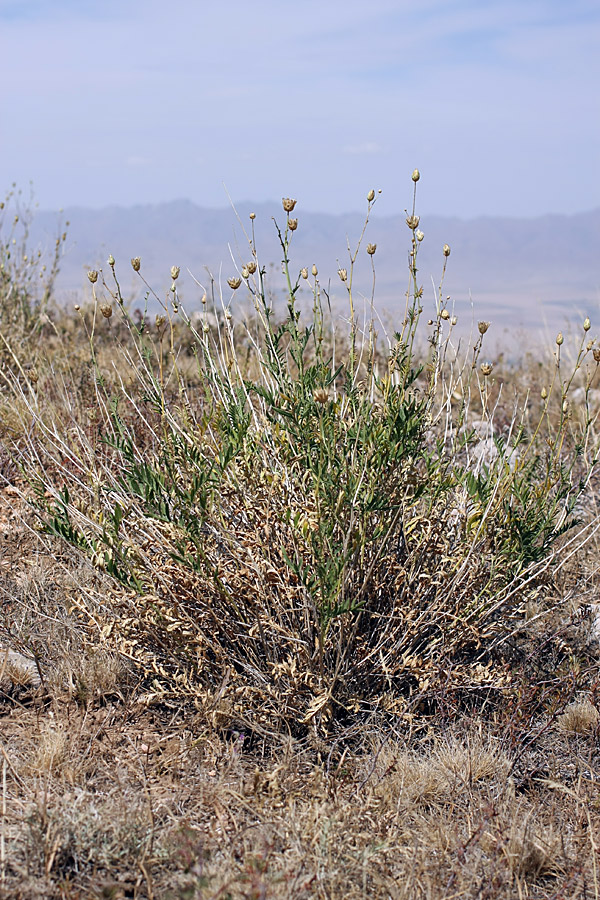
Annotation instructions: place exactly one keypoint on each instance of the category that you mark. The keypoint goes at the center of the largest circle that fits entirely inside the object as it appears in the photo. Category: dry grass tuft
(580, 717)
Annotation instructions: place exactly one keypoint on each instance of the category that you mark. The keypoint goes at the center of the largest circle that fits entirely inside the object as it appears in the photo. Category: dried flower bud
(559, 338)
(288, 204)
(589, 345)
(486, 369)
(136, 263)
(419, 236)
(454, 320)
(203, 301)
(304, 273)
(430, 321)
(544, 394)
(160, 321)
(93, 276)
(234, 282)
(413, 222)
(175, 270)
(173, 287)
(445, 314)
(371, 248)
(371, 196)
(251, 266)
(106, 310)
(343, 273)
(416, 175)
(206, 328)
(565, 406)
(292, 224)
(34, 377)
(77, 307)
(111, 261)
(253, 216)
(587, 324)
(482, 327)
(446, 250)
(596, 352)
(321, 395)
(228, 314)
(315, 271)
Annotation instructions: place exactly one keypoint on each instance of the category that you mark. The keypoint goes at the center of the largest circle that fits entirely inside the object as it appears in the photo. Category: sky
(144, 101)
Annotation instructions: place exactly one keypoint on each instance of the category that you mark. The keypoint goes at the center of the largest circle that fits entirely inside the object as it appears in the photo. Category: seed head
(77, 307)
(482, 327)
(106, 310)
(413, 222)
(371, 196)
(234, 282)
(292, 224)
(343, 273)
(371, 248)
(203, 301)
(33, 376)
(446, 250)
(416, 175)
(596, 352)
(93, 276)
(315, 271)
(288, 204)
(111, 261)
(304, 273)
(565, 406)
(544, 394)
(559, 338)
(253, 216)
(321, 395)
(419, 236)
(445, 314)
(136, 263)
(160, 321)
(173, 287)
(175, 270)
(228, 314)
(454, 320)
(486, 369)
(587, 324)
(251, 267)
(206, 328)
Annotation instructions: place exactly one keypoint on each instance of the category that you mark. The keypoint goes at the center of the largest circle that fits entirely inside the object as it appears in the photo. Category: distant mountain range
(519, 273)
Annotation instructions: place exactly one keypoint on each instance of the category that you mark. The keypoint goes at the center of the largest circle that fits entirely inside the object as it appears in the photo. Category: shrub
(304, 526)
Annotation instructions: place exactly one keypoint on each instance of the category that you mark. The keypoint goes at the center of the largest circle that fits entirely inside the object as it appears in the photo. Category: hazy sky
(137, 101)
